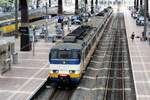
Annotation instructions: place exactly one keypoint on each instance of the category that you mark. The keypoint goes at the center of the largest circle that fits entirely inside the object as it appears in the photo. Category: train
(8, 25)
(7, 21)
(68, 59)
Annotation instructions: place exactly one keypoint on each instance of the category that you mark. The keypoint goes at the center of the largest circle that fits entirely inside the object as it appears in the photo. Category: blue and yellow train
(7, 22)
(68, 59)
(7, 26)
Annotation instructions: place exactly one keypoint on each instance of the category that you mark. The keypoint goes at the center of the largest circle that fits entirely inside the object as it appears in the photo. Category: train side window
(86, 51)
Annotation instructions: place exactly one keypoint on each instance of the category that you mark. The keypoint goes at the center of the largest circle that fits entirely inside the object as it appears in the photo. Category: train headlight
(55, 71)
(72, 71)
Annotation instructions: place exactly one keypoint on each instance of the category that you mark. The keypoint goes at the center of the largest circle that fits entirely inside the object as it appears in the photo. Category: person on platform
(132, 36)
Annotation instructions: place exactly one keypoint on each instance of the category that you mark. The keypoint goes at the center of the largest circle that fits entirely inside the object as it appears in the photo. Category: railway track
(108, 75)
(115, 87)
(62, 93)
(54, 91)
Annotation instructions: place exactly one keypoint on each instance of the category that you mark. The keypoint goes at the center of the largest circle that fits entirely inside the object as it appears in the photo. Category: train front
(65, 64)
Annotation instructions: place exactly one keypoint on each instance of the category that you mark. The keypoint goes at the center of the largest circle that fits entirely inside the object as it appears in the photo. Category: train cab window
(75, 55)
(53, 54)
(64, 54)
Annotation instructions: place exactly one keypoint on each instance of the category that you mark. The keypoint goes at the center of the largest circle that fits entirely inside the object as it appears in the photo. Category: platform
(140, 58)
(26, 77)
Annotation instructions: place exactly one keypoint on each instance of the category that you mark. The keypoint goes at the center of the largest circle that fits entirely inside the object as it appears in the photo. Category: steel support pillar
(76, 7)
(50, 3)
(134, 4)
(96, 2)
(141, 2)
(37, 3)
(16, 18)
(145, 19)
(147, 7)
(60, 7)
(24, 30)
(92, 7)
(86, 2)
(137, 5)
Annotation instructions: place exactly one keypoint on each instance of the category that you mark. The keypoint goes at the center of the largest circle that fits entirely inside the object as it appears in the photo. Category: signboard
(23, 30)
(25, 39)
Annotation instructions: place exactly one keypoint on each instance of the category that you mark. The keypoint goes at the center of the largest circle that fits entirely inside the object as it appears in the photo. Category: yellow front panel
(55, 75)
(74, 75)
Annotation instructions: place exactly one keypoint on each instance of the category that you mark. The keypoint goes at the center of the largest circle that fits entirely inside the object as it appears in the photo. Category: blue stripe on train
(7, 23)
(72, 61)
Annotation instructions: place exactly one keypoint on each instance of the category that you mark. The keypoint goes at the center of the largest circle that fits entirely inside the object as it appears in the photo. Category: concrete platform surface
(25, 78)
(140, 58)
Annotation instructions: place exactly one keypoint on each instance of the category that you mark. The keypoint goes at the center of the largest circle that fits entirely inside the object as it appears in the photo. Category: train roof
(67, 46)
(80, 31)
(79, 34)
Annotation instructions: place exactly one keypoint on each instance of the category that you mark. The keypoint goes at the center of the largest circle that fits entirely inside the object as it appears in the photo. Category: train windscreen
(65, 54)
